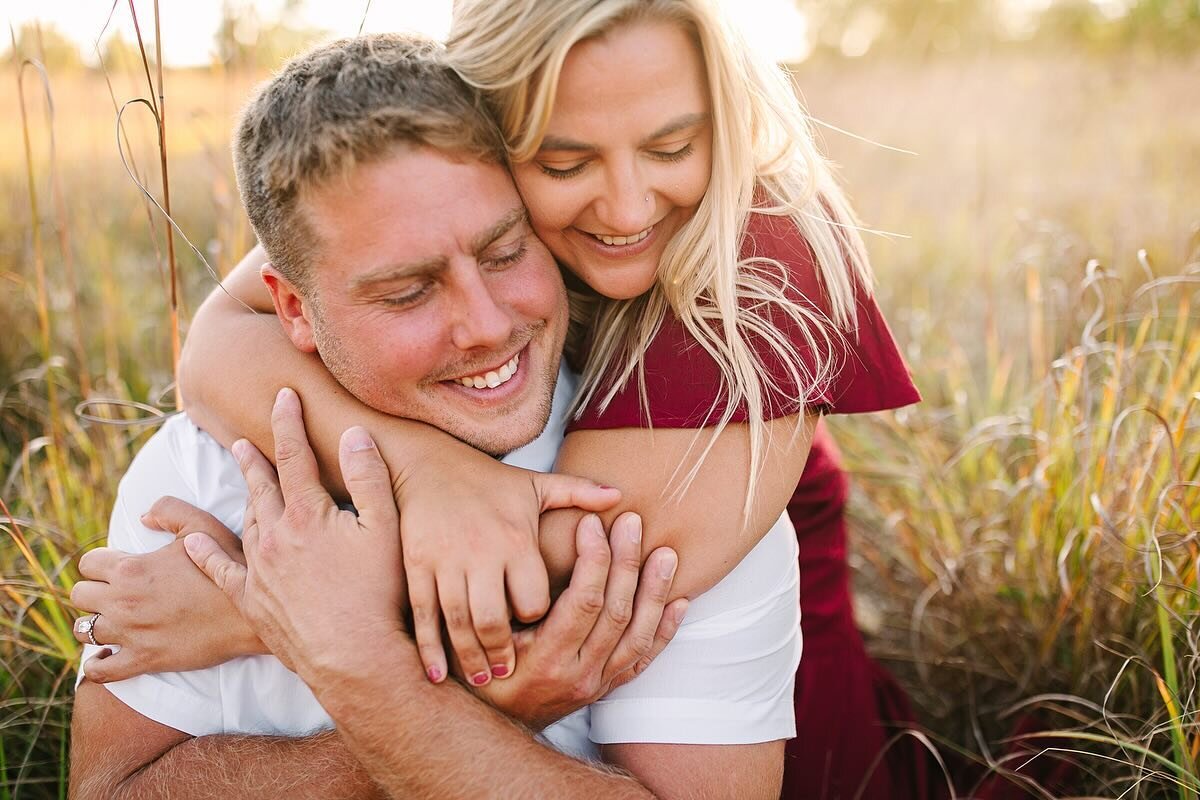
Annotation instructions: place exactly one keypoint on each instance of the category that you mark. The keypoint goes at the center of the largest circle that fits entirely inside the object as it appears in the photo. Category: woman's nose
(627, 205)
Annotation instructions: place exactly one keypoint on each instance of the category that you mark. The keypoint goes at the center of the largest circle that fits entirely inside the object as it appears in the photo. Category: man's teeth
(492, 379)
(619, 240)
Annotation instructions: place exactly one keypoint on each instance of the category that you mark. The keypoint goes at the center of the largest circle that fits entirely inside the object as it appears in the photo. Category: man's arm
(118, 753)
(746, 771)
(449, 744)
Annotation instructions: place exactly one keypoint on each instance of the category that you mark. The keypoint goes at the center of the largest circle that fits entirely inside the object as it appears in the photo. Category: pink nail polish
(480, 678)
(499, 670)
(435, 674)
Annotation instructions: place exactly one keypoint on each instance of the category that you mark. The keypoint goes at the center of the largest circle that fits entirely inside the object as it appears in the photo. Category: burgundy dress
(842, 697)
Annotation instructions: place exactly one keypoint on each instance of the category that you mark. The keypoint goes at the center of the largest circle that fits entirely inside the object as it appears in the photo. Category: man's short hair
(345, 103)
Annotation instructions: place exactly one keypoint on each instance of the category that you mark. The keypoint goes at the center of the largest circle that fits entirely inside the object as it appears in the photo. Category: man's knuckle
(620, 611)
(630, 563)
(586, 688)
(260, 492)
(298, 514)
(286, 448)
(591, 601)
(643, 643)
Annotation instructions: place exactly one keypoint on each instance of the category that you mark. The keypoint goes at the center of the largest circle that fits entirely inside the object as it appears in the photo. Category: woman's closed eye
(561, 173)
(677, 154)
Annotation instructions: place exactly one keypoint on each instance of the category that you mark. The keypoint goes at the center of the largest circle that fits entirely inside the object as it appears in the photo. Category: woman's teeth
(492, 379)
(620, 240)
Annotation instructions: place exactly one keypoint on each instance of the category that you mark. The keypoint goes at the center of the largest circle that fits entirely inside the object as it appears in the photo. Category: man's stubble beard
(354, 377)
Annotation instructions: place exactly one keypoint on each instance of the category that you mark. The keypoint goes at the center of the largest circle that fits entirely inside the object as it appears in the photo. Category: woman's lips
(619, 251)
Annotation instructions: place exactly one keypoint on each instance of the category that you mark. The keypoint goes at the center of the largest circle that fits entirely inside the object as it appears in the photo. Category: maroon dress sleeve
(683, 382)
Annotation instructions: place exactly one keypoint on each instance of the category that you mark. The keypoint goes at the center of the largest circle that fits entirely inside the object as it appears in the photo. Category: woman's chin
(611, 283)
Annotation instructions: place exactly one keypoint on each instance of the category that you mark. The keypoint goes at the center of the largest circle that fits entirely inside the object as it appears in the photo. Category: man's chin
(511, 433)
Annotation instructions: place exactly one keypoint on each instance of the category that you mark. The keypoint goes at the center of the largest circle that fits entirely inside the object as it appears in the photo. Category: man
(498, 295)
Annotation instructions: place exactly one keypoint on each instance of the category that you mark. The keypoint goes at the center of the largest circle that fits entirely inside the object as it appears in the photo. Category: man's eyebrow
(505, 224)
(552, 142)
(430, 266)
(397, 272)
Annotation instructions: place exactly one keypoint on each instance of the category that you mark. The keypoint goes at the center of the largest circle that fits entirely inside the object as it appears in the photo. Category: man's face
(433, 299)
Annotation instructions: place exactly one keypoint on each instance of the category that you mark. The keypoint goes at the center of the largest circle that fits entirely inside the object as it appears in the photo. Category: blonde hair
(765, 161)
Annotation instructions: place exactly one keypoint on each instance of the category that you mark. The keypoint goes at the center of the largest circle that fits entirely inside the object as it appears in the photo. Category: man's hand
(162, 612)
(598, 635)
(317, 580)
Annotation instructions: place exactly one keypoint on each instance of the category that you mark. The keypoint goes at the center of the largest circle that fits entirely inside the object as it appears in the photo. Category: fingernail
(357, 440)
(595, 526)
(191, 542)
(635, 529)
(500, 671)
(680, 610)
(608, 488)
(435, 675)
(285, 394)
(240, 449)
(667, 567)
(480, 678)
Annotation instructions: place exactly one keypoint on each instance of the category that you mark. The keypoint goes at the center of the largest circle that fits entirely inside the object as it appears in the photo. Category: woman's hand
(598, 635)
(158, 609)
(469, 534)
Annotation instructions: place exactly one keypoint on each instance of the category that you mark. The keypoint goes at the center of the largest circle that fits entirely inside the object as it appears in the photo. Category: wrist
(345, 683)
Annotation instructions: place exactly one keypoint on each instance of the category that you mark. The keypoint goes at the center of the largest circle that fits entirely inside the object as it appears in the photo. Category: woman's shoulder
(776, 237)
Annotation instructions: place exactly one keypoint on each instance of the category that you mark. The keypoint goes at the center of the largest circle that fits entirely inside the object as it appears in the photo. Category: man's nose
(627, 204)
(479, 321)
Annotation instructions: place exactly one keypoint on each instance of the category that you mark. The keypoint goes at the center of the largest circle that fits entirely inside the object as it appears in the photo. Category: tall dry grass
(1026, 535)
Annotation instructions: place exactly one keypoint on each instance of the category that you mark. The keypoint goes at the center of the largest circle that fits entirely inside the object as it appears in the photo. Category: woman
(717, 265)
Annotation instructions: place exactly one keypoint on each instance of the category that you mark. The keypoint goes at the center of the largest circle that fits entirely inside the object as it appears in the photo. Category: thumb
(368, 482)
(567, 491)
(172, 515)
(227, 574)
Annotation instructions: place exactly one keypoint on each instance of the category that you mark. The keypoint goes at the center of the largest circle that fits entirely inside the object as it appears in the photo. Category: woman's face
(626, 158)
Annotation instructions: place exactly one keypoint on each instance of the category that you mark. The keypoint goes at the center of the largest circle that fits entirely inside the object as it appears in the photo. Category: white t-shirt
(726, 678)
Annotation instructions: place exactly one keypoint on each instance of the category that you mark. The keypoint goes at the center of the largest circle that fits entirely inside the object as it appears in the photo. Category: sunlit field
(1025, 538)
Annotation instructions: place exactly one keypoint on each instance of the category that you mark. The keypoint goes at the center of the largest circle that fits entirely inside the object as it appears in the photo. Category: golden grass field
(1025, 538)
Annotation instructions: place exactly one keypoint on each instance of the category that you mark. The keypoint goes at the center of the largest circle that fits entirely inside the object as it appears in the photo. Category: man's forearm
(250, 767)
(424, 741)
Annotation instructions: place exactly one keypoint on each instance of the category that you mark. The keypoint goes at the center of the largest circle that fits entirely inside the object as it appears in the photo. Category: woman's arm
(706, 524)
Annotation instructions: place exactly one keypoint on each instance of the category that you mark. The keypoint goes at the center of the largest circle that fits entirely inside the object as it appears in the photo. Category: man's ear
(294, 311)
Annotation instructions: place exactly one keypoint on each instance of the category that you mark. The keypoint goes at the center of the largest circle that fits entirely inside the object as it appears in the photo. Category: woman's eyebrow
(682, 122)
(676, 125)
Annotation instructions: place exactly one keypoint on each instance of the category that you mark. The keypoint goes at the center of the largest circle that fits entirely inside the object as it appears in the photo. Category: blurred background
(1025, 539)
